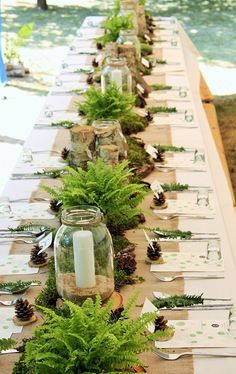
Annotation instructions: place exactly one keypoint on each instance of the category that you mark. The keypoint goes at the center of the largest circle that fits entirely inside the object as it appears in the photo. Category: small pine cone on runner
(154, 252)
(23, 310)
(37, 259)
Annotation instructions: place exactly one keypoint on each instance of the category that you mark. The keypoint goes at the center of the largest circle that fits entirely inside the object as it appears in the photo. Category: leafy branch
(171, 234)
(160, 61)
(66, 124)
(169, 187)
(168, 148)
(54, 173)
(6, 344)
(162, 109)
(15, 287)
(178, 301)
(161, 87)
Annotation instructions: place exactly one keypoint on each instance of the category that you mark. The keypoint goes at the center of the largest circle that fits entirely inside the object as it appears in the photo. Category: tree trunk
(42, 4)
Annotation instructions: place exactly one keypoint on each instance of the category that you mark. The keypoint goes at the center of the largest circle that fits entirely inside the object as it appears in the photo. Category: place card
(7, 327)
(165, 119)
(16, 264)
(21, 211)
(187, 262)
(182, 161)
(39, 162)
(183, 206)
(159, 68)
(57, 117)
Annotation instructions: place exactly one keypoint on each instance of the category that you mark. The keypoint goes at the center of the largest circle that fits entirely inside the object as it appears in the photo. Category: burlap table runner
(155, 364)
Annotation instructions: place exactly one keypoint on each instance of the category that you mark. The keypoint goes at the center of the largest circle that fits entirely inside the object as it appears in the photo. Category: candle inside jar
(116, 78)
(84, 262)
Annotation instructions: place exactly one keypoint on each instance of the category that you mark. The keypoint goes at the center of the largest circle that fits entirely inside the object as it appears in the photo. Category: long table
(47, 138)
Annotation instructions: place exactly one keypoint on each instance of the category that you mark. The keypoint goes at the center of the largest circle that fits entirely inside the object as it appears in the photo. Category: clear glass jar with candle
(109, 131)
(83, 254)
(129, 7)
(128, 37)
(116, 72)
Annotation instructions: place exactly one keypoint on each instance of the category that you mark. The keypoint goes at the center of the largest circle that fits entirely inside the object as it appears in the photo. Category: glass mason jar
(128, 37)
(116, 72)
(129, 7)
(83, 254)
(108, 131)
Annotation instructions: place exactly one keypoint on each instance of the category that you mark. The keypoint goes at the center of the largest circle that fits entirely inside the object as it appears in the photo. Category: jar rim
(98, 122)
(127, 32)
(81, 215)
(116, 61)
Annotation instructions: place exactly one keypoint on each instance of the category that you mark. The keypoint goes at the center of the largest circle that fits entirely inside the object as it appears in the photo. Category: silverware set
(175, 356)
(169, 217)
(183, 276)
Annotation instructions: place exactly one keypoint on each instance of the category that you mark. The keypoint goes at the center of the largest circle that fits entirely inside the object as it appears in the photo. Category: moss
(146, 49)
(120, 243)
(122, 279)
(49, 295)
(131, 123)
(137, 156)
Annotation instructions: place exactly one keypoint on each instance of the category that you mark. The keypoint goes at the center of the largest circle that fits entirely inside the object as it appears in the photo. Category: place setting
(206, 262)
(188, 161)
(199, 207)
(19, 210)
(203, 333)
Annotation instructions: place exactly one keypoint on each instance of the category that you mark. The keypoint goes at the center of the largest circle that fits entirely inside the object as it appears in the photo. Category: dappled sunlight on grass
(210, 24)
(51, 28)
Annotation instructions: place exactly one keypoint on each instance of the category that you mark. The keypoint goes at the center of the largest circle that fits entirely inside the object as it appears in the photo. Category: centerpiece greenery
(113, 25)
(106, 187)
(87, 339)
(112, 104)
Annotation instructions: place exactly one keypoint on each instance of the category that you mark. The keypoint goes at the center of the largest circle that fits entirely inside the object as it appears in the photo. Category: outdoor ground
(54, 31)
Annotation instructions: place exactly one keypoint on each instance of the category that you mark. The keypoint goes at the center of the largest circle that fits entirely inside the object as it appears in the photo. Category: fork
(32, 241)
(193, 276)
(28, 198)
(10, 302)
(175, 356)
(173, 216)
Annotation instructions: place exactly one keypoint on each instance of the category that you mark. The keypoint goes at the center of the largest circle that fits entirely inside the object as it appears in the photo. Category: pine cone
(95, 63)
(126, 262)
(38, 259)
(140, 101)
(160, 200)
(155, 252)
(99, 46)
(23, 310)
(160, 156)
(55, 205)
(116, 314)
(149, 116)
(90, 79)
(160, 323)
(65, 153)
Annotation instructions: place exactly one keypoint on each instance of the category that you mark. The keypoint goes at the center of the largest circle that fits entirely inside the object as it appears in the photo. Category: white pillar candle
(84, 263)
(116, 77)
